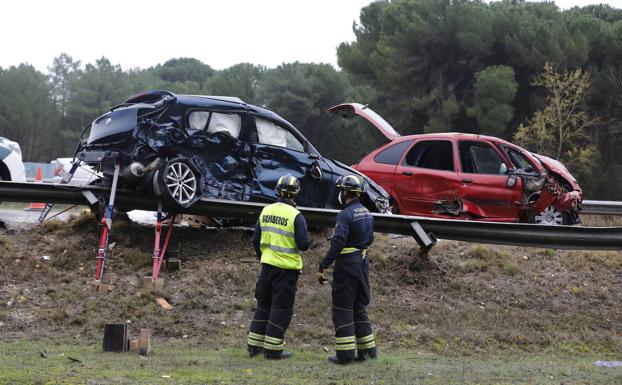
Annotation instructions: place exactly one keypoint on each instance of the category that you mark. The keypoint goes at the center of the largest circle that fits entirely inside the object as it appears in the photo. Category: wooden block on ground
(164, 304)
(159, 283)
(101, 287)
(115, 338)
(134, 345)
(149, 284)
(144, 341)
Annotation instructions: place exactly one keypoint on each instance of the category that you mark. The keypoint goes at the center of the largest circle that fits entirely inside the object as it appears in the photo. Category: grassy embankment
(469, 314)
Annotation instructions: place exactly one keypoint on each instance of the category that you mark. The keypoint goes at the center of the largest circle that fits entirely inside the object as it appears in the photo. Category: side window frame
(507, 151)
(244, 128)
(408, 145)
(481, 143)
(403, 163)
(254, 137)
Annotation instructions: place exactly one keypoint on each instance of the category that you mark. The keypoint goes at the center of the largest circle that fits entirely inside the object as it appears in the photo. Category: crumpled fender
(557, 167)
(553, 195)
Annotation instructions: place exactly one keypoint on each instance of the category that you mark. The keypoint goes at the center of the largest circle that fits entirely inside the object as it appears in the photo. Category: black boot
(254, 350)
(340, 361)
(365, 354)
(276, 354)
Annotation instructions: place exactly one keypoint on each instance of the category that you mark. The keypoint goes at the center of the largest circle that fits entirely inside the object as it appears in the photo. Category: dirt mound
(459, 298)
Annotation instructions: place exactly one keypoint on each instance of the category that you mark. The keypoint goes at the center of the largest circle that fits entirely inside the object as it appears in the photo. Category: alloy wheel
(550, 216)
(181, 182)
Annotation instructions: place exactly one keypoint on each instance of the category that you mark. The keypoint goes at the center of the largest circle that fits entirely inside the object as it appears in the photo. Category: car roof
(227, 102)
(459, 135)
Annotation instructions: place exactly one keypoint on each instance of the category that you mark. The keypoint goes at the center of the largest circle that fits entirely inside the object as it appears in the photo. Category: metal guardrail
(602, 207)
(519, 234)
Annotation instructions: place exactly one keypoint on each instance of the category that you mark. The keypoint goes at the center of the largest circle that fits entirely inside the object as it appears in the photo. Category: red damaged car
(467, 176)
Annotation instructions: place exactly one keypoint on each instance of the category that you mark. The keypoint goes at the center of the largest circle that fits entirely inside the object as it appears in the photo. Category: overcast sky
(143, 33)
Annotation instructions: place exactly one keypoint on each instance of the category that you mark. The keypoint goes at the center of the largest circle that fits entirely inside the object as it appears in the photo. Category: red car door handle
(467, 181)
(407, 173)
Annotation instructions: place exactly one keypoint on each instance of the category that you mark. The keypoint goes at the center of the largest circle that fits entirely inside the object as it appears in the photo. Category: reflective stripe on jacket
(278, 243)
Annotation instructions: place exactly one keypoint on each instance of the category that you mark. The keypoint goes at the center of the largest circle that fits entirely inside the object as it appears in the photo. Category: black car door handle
(407, 173)
(467, 181)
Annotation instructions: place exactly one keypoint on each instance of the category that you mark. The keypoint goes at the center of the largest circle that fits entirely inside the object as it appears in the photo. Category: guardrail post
(425, 240)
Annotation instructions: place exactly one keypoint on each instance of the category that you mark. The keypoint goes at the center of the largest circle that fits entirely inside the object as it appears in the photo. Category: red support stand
(158, 254)
(106, 227)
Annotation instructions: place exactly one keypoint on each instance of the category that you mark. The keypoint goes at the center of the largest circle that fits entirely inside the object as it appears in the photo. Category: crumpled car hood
(558, 167)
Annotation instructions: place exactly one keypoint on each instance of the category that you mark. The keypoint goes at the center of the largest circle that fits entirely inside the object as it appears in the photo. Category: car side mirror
(511, 182)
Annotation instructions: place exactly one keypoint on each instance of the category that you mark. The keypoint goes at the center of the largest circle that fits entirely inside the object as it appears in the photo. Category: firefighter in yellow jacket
(280, 234)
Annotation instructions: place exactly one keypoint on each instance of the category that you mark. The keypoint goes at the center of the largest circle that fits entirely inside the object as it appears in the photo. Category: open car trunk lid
(350, 110)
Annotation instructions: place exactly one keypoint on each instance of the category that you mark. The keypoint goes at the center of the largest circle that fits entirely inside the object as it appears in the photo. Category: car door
(484, 189)
(278, 150)
(380, 165)
(426, 179)
(219, 147)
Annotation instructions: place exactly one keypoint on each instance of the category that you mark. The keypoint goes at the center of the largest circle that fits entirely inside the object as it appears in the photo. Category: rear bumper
(93, 157)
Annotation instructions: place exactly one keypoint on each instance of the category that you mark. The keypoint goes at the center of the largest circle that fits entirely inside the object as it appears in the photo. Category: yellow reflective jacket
(278, 244)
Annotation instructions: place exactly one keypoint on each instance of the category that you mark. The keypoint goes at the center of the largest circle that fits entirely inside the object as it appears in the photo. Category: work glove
(321, 277)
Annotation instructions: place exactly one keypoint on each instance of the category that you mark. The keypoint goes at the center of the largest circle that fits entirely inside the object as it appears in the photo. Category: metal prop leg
(158, 254)
(106, 227)
(66, 178)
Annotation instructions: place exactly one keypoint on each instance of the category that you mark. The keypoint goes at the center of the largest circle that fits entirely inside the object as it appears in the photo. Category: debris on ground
(74, 360)
(164, 304)
(609, 364)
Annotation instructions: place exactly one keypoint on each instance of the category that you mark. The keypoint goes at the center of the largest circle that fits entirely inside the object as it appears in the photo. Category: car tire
(180, 181)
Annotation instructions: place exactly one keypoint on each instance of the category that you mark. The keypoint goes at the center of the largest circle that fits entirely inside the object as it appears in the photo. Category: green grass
(185, 363)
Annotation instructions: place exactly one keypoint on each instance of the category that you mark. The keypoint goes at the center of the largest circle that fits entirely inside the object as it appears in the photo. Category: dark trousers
(275, 292)
(351, 296)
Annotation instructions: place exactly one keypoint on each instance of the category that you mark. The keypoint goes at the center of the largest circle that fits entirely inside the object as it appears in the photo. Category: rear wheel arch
(5, 174)
(395, 209)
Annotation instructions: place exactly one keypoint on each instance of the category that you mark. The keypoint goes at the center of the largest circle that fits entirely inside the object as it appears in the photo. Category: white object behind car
(11, 165)
(82, 177)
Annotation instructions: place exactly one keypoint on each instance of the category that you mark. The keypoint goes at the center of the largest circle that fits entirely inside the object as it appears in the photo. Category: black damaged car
(185, 147)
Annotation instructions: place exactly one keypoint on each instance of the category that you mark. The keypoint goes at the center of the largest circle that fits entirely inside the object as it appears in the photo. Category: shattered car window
(272, 134)
(480, 158)
(214, 122)
(519, 160)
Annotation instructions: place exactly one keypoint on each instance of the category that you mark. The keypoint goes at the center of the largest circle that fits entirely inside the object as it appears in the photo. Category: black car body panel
(237, 151)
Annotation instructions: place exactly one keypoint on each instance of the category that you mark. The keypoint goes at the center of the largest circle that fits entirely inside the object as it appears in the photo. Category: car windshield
(519, 160)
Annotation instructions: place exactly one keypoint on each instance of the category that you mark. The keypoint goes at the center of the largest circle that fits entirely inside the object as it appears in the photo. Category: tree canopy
(424, 65)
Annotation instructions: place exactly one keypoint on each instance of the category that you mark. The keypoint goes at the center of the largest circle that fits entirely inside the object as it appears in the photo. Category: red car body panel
(455, 188)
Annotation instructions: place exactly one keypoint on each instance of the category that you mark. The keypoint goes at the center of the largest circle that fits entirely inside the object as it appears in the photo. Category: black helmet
(287, 186)
(351, 183)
